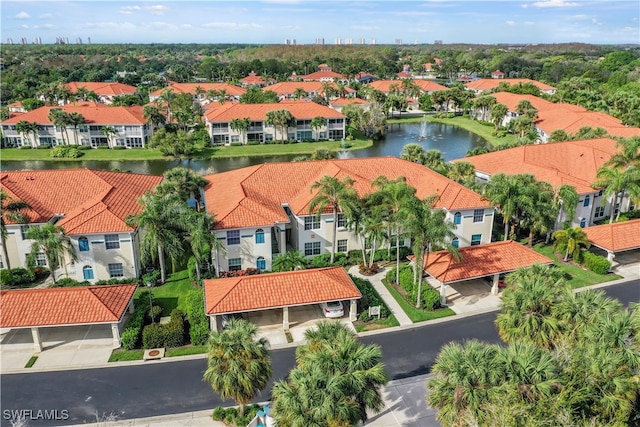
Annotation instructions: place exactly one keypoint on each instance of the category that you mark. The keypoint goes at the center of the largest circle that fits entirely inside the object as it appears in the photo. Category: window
(476, 239)
(116, 270)
(261, 263)
(41, 259)
(1, 263)
(583, 222)
(87, 272)
(235, 264)
(457, 218)
(312, 248)
(134, 142)
(311, 222)
(586, 201)
(233, 237)
(259, 235)
(342, 245)
(83, 244)
(455, 242)
(478, 215)
(615, 212)
(23, 231)
(599, 211)
(111, 241)
(341, 221)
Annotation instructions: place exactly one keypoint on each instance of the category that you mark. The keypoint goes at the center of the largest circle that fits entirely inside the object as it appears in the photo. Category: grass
(31, 361)
(186, 350)
(126, 355)
(415, 314)
(476, 127)
(389, 322)
(580, 277)
(172, 294)
(300, 148)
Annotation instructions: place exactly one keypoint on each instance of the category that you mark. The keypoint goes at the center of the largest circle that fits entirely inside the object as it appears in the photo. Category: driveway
(63, 346)
(469, 296)
(627, 264)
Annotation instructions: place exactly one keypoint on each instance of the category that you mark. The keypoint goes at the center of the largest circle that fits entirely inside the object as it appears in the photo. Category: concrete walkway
(376, 281)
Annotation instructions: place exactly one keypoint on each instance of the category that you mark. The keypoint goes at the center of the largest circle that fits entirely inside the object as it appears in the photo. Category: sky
(274, 21)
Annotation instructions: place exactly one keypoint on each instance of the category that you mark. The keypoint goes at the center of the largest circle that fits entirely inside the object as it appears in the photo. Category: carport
(279, 290)
(615, 238)
(491, 259)
(77, 306)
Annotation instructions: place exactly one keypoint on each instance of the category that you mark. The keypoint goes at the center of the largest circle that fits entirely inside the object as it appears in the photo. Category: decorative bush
(66, 151)
(406, 277)
(240, 273)
(154, 313)
(191, 269)
(320, 261)
(198, 325)
(168, 335)
(369, 270)
(119, 147)
(596, 263)
(236, 144)
(22, 276)
(430, 298)
(68, 282)
(152, 336)
(253, 142)
(125, 281)
(133, 329)
(370, 297)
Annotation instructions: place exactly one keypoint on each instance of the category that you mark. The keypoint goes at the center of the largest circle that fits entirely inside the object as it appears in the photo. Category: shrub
(239, 273)
(219, 414)
(369, 270)
(167, 335)
(68, 282)
(191, 269)
(430, 298)
(119, 147)
(133, 328)
(370, 297)
(21, 276)
(66, 151)
(152, 336)
(102, 147)
(198, 325)
(43, 147)
(236, 144)
(129, 338)
(125, 281)
(253, 143)
(323, 260)
(406, 277)
(596, 263)
(84, 147)
(154, 313)
(6, 278)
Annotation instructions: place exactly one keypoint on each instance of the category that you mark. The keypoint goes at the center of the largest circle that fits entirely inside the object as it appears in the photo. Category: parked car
(501, 281)
(332, 309)
(227, 317)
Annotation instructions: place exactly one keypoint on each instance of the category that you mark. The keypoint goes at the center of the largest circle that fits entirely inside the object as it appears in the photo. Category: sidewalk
(376, 281)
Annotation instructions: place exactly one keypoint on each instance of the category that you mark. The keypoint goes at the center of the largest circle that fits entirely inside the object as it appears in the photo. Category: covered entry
(492, 259)
(279, 291)
(77, 306)
(615, 238)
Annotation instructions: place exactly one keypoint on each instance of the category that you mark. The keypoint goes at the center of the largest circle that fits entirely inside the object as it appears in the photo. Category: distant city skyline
(307, 22)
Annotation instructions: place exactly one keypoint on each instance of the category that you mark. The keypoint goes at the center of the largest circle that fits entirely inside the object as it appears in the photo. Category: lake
(452, 141)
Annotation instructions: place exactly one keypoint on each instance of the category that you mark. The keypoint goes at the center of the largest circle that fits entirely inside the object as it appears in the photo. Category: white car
(332, 309)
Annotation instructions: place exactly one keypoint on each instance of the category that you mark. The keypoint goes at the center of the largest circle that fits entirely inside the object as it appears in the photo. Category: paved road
(176, 387)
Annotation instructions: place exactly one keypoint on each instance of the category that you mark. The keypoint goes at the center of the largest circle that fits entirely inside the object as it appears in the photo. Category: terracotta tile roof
(616, 237)
(318, 75)
(425, 85)
(288, 88)
(273, 290)
(571, 162)
(347, 101)
(103, 88)
(481, 260)
(64, 306)
(94, 113)
(258, 112)
(489, 84)
(91, 201)
(254, 196)
(232, 90)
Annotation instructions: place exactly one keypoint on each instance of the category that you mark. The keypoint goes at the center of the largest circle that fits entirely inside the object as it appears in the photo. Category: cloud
(25, 26)
(45, 27)
(554, 3)
(511, 23)
(231, 26)
(162, 26)
(45, 16)
(157, 9)
(23, 15)
(128, 10)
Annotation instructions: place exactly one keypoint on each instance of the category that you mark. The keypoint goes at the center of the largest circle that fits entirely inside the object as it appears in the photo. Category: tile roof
(288, 88)
(23, 308)
(571, 162)
(347, 101)
(425, 85)
(94, 113)
(616, 237)
(258, 112)
(489, 84)
(91, 201)
(273, 290)
(232, 90)
(481, 260)
(103, 88)
(318, 75)
(253, 196)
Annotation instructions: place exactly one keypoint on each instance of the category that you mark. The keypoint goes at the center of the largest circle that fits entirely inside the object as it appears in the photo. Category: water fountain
(343, 154)
(423, 129)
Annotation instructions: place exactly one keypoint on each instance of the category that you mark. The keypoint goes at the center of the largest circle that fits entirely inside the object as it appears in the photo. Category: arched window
(583, 222)
(261, 263)
(457, 218)
(83, 244)
(259, 235)
(455, 242)
(87, 272)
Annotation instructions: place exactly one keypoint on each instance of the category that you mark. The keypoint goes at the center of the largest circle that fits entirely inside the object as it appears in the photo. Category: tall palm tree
(165, 220)
(333, 194)
(60, 119)
(76, 119)
(511, 194)
(238, 364)
(414, 153)
(614, 181)
(27, 129)
(317, 123)
(242, 126)
(565, 201)
(168, 97)
(50, 240)
(539, 216)
(484, 103)
(463, 173)
(299, 93)
(184, 183)
(108, 132)
(435, 161)
(280, 119)
(572, 240)
(153, 114)
(12, 211)
(497, 113)
(201, 239)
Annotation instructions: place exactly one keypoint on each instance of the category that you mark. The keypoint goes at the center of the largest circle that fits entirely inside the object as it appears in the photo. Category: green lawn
(580, 276)
(476, 127)
(300, 148)
(172, 294)
(186, 350)
(126, 355)
(378, 324)
(416, 315)
(31, 361)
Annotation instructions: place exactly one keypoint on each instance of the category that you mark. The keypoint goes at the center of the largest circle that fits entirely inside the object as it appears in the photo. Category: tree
(414, 153)
(165, 220)
(201, 239)
(433, 160)
(463, 173)
(12, 211)
(565, 201)
(317, 123)
(484, 104)
(512, 195)
(279, 118)
(50, 240)
(242, 126)
(26, 129)
(331, 194)
(76, 119)
(176, 144)
(571, 240)
(299, 93)
(152, 114)
(238, 363)
(60, 119)
(539, 215)
(184, 183)
(289, 261)
(497, 113)
(612, 181)
(108, 132)
(167, 97)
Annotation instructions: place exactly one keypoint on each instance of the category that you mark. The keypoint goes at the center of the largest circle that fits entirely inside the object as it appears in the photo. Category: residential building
(484, 85)
(339, 103)
(91, 207)
(203, 92)
(255, 80)
(262, 211)
(219, 123)
(575, 163)
(497, 74)
(106, 91)
(286, 90)
(131, 128)
(325, 74)
(387, 86)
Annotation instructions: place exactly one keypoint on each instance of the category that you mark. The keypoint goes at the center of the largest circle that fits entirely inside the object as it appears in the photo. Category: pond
(452, 141)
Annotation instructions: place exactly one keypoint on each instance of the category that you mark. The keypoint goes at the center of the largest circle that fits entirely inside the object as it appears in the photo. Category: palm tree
(565, 201)
(332, 194)
(462, 172)
(572, 240)
(153, 114)
(539, 215)
(12, 211)
(289, 261)
(280, 118)
(184, 183)
(202, 240)
(76, 119)
(239, 364)
(434, 161)
(50, 240)
(484, 103)
(317, 123)
(164, 219)
(613, 181)
(524, 108)
(299, 93)
(108, 131)
(497, 113)
(27, 128)
(168, 97)
(241, 125)
(60, 119)
(414, 153)
(511, 194)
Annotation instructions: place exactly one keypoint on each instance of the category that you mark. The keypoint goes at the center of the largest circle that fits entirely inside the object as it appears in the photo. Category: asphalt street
(78, 396)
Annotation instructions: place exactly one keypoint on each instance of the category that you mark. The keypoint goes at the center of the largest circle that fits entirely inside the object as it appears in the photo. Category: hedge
(430, 298)
(133, 329)
(167, 335)
(596, 263)
(370, 297)
(198, 325)
(320, 261)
